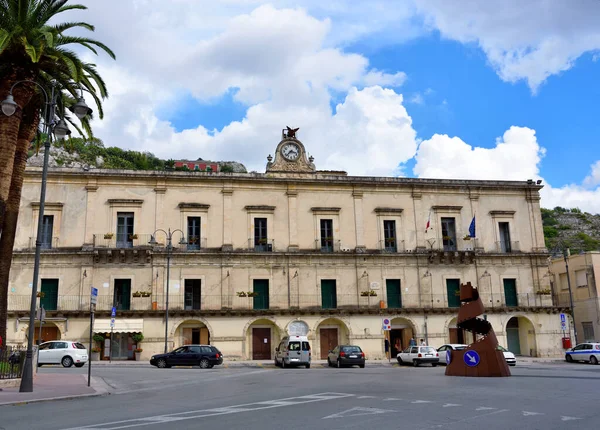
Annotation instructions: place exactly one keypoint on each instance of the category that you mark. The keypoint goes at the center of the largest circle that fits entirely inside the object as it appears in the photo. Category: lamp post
(169, 235)
(566, 257)
(61, 130)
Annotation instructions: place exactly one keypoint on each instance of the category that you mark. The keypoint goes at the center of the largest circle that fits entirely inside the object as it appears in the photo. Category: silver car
(293, 351)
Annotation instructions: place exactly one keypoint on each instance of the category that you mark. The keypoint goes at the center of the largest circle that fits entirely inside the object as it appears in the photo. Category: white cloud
(593, 178)
(417, 99)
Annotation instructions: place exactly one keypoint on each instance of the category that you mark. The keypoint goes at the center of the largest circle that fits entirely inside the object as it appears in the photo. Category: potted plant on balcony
(146, 293)
(241, 294)
(133, 236)
(40, 294)
(544, 292)
(368, 293)
(252, 294)
(108, 236)
(467, 237)
(138, 338)
(137, 294)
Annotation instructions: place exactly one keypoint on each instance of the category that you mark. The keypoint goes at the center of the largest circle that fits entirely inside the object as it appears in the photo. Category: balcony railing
(328, 245)
(193, 243)
(261, 245)
(47, 243)
(391, 246)
(115, 241)
(507, 247)
(283, 301)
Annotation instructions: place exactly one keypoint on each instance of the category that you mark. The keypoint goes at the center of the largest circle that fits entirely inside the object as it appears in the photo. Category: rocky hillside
(571, 228)
(80, 153)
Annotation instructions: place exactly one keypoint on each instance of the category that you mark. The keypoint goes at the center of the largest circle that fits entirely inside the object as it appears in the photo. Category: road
(536, 396)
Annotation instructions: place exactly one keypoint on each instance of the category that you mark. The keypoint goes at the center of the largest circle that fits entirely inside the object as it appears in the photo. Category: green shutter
(394, 297)
(50, 290)
(453, 290)
(122, 298)
(510, 292)
(328, 294)
(261, 287)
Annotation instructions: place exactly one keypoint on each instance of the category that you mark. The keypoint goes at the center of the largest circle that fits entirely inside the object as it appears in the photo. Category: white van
(293, 351)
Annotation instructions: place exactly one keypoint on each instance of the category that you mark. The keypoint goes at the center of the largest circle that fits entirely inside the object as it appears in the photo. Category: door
(512, 336)
(449, 234)
(193, 231)
(453, 291)
(393, 290)
(329, 340)
(192, 290)
(47, 228)
(122, 294)
(49, 292)
(510, 292)
(261, 343)
(260, 235)
(457, 335)
(45, 353)
(389, 235)
(124, 229)
(328, 294)
(504, 229)
(48, 333)
(397, 341)
(261, 289)
(57, 351)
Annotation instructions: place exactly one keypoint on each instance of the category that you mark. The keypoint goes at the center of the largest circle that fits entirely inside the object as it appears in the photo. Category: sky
(472, 89)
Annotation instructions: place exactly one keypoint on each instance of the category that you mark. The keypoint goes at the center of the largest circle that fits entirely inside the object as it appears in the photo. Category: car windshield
(501, 348)
(79, 346)
(350, 349)
(294, 346)
(427, 350)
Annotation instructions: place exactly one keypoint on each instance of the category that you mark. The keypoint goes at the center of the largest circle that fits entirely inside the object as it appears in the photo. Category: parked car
(293, 351)
(588, 351)
(449, 347)
(416, 355)
(62, 352)
(205, 356)
(510, 358)
(346, 355)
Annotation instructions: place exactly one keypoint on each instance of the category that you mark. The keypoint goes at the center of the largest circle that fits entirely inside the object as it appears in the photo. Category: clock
(290, 151)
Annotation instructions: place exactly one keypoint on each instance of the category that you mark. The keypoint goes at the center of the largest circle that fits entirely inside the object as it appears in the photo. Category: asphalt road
(537, 396)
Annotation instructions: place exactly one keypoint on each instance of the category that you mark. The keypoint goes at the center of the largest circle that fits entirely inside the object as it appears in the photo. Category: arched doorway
(331, 332)
(191, 332)
(520, 336)
(403, 330)
(457, 335)
(261, 337)
(50, 331)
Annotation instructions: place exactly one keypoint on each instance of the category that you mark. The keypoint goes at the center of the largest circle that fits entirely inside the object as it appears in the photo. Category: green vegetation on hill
(571, 228)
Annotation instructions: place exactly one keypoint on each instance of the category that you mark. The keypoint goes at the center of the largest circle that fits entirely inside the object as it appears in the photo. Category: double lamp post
(58, 127)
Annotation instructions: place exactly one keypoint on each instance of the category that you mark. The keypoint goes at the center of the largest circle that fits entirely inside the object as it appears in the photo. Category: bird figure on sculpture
(291, 132)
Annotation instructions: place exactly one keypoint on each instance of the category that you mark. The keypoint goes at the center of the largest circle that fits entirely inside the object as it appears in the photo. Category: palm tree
(31, 49)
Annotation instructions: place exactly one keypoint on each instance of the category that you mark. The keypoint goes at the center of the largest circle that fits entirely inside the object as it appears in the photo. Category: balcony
(114, 241)
(194, 243)
(506, 247)
(47, 243)
(387, 246)
(328, 245)
(261, 245)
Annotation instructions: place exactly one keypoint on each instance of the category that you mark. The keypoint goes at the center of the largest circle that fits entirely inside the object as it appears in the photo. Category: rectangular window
(261, 239)
(261, 291)
(581, 278)
(49, 293)
(326, 235)
(389, 236)
(328, 294)
(564, 282)
(47, 228)
(453, 290)
(505, 244)
(192, 294)
(122, 294)
(124, 229)
(449, 234)
(588, 331)
(394, 298)
(193, 232)
(510, 292)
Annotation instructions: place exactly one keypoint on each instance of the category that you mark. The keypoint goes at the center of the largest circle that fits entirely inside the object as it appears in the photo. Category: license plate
(428, 355)
(293, 359)
(353, 356)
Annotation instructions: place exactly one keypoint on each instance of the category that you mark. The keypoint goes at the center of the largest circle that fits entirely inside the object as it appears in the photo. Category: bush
(550, 231)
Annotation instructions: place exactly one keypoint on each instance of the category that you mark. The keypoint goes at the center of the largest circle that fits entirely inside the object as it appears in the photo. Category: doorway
(192, 294)
(400, 339)
(329, 340)
(49, 332)
(122, 294)
(121, 346)
(49, 293)
(512, 336)
(196, 336)
(261, 343)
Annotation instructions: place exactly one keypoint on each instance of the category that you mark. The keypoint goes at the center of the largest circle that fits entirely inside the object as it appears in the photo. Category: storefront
(118, 340)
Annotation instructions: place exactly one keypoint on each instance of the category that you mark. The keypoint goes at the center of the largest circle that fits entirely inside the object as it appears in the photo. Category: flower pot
(95, 356)
(138, 356)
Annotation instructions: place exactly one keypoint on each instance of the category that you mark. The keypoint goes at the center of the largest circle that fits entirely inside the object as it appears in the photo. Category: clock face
(290, 151)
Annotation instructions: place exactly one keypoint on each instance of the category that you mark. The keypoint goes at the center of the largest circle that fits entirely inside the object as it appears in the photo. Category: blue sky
(434, 88)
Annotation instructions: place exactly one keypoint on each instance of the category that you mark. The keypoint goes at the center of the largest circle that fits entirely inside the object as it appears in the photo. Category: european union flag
(472, 228)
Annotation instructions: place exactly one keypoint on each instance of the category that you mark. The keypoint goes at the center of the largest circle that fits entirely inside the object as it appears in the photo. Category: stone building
(294, 249)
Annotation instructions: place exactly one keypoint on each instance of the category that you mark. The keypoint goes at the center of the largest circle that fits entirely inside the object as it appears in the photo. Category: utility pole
(566, 254)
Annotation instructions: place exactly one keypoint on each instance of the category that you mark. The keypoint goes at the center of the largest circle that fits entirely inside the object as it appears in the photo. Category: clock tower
(290, 155)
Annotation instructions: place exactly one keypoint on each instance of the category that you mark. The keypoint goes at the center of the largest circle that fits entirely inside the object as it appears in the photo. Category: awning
(130, 325)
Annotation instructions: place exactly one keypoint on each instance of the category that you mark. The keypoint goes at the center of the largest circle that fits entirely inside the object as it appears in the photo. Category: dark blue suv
(205, 356)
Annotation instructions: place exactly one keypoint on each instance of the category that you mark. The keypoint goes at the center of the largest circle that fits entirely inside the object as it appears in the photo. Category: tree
(33, 50)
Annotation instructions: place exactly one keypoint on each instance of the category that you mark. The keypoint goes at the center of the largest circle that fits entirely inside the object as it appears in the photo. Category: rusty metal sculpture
(290, 132)
(482, 357)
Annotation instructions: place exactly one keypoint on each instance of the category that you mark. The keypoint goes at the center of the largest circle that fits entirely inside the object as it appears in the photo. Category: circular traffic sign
(448, 356)
(386, 321)
(471, 358)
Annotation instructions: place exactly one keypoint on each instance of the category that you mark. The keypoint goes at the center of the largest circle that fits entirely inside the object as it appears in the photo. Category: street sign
(114, 312)
(112, 323)
(94, 296)
(563, 318)
(471, 358)
(563, 325)
(448, 356)
(387, 324)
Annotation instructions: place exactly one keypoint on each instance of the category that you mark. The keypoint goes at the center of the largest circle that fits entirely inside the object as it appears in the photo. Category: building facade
(583, 272)
(294, 250)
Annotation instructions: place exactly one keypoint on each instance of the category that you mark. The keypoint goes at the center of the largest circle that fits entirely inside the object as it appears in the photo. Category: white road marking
(563, 418)
(355, 412)
(421, 401)
(247, 407)
(366, 397)
(450, 405)
(528, 414)
(389, 399)
(485, 408)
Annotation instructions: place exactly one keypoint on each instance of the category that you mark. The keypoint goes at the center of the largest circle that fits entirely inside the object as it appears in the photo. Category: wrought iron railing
(11, 362)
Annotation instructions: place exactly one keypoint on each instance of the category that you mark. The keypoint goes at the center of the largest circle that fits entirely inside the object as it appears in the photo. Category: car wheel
(204, 363)
(593, 360)
(79, 364)
(362, 366)
(40, 364)
(283, 363)
(400, 362)
(67, 361)
(338, 363)
(275, 362)
(415, 363)
(328, 362)
(308, 366)
(569, 358)
(161, 363)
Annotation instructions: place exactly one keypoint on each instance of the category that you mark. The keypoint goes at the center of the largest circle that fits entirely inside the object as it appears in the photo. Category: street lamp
(153, 242)
(61, 130)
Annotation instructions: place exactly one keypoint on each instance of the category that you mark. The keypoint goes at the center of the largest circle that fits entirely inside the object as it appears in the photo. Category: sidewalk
(54, 386)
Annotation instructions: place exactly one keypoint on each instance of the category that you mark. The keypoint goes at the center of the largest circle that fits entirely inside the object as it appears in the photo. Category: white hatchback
(62, 352)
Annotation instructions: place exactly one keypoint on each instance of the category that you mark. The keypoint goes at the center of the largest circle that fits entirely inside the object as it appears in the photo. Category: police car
(588, 351)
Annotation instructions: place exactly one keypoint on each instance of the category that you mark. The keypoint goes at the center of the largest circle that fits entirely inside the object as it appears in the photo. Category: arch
(343, 320)
(51, 330)
(182, 320)
(250, 338)
(183, 333)
(337, 331)
(521, 336)
(403, 329)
